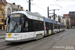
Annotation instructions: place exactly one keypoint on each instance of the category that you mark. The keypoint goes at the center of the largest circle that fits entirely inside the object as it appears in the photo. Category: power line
(38, 6)
(60, 6)
(51, 13)
(29, 5)
(29, 2)
(54, 12)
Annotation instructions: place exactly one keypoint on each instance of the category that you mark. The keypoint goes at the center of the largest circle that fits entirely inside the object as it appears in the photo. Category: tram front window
(15, 19)
(15, 23)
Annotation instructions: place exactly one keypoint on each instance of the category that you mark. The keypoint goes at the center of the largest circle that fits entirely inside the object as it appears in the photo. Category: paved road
(2, 32)
(60, 41)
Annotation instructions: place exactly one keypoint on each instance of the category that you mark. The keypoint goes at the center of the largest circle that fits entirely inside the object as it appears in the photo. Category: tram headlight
(17, 34)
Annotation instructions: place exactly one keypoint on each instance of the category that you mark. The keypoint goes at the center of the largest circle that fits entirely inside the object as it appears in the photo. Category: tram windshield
(15, 23)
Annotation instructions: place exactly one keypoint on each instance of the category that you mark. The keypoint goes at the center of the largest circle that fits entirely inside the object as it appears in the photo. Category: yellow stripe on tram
(9, 35)
(49, 32)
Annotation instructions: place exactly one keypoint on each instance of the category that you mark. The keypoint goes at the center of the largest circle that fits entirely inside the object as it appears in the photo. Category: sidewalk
(1, 37)
(2, 34)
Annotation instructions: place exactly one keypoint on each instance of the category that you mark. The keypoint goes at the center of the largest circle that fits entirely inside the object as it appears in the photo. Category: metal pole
(48, 11)
(54, 14)
(29, 5)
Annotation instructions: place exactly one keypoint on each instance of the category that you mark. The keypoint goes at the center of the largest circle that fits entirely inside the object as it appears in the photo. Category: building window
(1, 13)
(0, 6)
(8, 8)
(2, 0)
(9, 11)
(2, 20)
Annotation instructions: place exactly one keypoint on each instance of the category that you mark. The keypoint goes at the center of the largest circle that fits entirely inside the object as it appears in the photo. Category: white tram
(24, 26)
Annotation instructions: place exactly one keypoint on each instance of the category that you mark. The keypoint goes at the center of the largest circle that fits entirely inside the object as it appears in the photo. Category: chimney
(22, 8)
(13, 3)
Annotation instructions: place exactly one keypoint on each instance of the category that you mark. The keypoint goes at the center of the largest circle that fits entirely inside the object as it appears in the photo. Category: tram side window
(25, 26)
(58, 26)
(33, 25)
(38, 25)
(55, 26)
(41, 25)
(52, 26)
(49, 25)
(62, 26)
(30, 25)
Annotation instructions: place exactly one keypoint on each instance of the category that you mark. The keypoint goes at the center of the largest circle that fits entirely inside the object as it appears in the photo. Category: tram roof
(29, 13)
(33, 14)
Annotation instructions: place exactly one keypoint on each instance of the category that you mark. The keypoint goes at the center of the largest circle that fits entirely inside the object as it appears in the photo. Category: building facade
(67, 21)
(5, 10)
(12, 7)
(2, 13)
(72, 19)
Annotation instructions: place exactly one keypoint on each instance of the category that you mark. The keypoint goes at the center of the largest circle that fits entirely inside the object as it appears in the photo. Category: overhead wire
(60, 6)
(37, 6)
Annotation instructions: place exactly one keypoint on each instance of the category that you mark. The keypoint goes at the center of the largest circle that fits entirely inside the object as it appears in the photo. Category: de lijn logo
(38, 18)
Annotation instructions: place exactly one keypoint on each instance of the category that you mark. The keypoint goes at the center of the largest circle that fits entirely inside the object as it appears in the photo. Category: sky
(40, 6)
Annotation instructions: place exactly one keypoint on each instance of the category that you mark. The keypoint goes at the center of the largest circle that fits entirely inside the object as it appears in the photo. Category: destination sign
(17, 15)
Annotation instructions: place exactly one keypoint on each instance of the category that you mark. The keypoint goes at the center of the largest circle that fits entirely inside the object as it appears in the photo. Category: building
(72, 19)
(12, 7)
(5, 10)
(2, 13)
(67, 21)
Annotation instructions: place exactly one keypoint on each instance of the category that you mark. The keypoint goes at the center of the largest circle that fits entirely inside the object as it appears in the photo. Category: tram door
(49, 27)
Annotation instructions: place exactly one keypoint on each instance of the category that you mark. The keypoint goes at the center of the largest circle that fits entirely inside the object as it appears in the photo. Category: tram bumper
(13, 39)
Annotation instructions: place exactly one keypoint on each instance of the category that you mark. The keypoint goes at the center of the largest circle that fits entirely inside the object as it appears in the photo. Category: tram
(25, 25)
